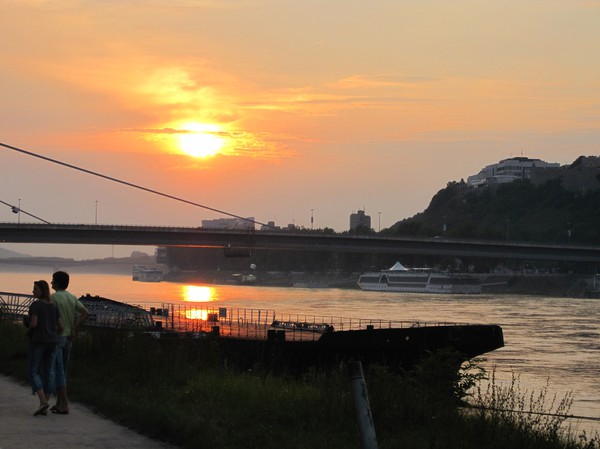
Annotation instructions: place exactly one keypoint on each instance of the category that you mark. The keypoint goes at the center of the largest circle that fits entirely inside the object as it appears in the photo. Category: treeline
(516, 211)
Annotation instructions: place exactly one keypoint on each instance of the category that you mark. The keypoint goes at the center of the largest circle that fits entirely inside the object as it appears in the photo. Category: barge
(248, 338)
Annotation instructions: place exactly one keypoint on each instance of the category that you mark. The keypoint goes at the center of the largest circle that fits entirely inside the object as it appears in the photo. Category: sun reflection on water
(196, 314)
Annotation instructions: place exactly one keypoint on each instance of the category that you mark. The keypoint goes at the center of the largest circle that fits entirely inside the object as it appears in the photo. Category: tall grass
(186, 392)
(529, 412)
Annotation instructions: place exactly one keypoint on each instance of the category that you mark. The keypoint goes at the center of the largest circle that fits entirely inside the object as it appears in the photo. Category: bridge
(244, 240)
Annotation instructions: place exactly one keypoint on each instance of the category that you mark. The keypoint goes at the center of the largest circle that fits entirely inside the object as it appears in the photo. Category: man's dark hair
(60, 279)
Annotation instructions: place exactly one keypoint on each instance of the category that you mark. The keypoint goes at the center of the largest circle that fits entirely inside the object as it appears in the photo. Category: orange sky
(333, 105)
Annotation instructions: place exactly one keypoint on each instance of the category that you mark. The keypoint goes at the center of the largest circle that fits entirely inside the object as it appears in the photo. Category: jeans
(41, 366)
(61, 359)
(67, 344)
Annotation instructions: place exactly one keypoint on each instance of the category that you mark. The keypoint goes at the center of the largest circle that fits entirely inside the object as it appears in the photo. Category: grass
(181, 391)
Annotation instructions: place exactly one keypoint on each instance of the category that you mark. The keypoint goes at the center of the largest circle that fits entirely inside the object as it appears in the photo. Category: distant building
(229, 223)
(509, 170)
(270, 226)
(161, 254)
(360, 219)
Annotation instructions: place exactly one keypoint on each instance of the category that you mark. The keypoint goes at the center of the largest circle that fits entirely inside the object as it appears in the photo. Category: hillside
(550, 209)
(6, 253)
(122, 265)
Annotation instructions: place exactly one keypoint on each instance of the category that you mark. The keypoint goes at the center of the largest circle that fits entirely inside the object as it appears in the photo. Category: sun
(200, 139)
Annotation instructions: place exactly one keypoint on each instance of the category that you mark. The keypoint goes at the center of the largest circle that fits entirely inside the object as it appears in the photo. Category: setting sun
(200, 140)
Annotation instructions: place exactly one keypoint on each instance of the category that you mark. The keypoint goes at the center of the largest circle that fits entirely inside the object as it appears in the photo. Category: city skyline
(292, 112)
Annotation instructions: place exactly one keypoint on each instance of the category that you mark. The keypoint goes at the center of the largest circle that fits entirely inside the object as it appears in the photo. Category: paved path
(80, 429)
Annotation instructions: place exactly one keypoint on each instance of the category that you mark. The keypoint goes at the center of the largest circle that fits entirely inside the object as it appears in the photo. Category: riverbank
(200, 402)
(549, 285)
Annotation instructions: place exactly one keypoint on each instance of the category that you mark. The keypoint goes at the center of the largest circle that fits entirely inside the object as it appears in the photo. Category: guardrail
(14, 305)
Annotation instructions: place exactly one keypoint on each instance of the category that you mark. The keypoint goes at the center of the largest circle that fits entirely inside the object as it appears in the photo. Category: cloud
(376, 81)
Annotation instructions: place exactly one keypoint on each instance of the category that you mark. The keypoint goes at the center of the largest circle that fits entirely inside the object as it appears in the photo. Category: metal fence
(14, 305)
(193, 319)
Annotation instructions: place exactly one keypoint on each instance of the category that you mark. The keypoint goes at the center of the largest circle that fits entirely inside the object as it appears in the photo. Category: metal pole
(361, 403)
(19, 216)
(96, 216)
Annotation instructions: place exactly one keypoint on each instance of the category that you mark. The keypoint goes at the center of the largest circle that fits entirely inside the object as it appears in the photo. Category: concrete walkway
(80, 429)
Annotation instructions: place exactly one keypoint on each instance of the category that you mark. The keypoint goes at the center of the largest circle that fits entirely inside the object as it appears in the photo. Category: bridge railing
(261, 324)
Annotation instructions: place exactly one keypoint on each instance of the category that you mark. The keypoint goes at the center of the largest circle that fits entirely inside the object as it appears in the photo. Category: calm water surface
(547, 340)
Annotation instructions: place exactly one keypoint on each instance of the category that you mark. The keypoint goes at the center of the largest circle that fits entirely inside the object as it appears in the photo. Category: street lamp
(96, 216)
(19, 216)
(312, 220)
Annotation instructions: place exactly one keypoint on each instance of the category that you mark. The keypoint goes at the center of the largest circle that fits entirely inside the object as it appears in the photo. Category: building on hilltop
(583, 175)
(359, 219)
(229, 223)
(509, 170)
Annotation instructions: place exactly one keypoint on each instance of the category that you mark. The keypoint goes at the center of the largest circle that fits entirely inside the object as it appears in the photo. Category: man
(69, 306)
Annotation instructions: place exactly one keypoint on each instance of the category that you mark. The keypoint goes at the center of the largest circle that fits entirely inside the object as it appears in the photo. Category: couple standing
(53, 328)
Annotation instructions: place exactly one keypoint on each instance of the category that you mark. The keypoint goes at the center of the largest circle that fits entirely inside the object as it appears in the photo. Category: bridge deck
(247, 240)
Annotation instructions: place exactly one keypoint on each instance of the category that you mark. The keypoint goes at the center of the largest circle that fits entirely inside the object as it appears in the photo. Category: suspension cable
(17, 209)
(129, 184)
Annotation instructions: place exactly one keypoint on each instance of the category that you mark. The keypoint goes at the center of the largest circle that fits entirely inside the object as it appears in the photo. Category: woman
(45, 325)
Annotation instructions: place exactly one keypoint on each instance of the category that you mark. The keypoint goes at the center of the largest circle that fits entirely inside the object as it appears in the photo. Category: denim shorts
(42, 371)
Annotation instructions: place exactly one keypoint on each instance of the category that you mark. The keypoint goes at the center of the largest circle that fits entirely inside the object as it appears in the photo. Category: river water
(548, 341)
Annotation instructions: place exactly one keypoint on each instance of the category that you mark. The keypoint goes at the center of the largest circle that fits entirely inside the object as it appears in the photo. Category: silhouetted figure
(69, 307)
(45, 324)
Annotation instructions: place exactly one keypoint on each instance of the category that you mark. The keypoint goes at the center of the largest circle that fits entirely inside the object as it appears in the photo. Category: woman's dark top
(47, 313)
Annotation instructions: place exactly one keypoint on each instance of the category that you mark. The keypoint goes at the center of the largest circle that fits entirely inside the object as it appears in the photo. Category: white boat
(144, 274)
(418, 280)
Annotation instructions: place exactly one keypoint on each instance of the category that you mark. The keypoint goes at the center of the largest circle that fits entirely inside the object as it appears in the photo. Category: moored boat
(418, 280)
(249, 337)
(252, 337)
